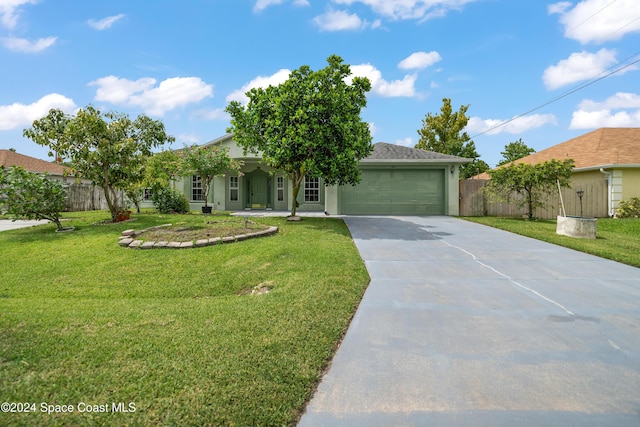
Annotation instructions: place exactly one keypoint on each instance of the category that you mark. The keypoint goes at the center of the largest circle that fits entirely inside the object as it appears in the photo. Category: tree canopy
(310, 125)
(515, 150)
(444, 133)
(533, 182)
(31, 195)
(109, 149)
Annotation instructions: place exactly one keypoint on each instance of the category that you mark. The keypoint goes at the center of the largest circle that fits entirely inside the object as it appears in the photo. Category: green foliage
(443, 133)
(308, 125)
(161, 169)
(629, 208)
(107, 148)
(515, 150)
(534, 182)
(29, 195)
(206, 162)
(167, 200)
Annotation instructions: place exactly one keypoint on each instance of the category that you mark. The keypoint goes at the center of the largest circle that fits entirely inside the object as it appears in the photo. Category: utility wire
(566, 93)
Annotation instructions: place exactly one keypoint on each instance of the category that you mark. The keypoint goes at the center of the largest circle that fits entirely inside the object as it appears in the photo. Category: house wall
(452, 191)
(630, 183)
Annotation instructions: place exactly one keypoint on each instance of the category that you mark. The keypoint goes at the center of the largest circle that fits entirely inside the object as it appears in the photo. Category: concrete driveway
(7, 224)
(466, 325)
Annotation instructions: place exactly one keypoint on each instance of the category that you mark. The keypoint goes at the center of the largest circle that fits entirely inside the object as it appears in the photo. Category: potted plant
(207, 162)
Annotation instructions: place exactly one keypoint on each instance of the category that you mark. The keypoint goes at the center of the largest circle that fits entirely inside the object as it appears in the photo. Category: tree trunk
(296, 180)
(530, 203)
(112, 202)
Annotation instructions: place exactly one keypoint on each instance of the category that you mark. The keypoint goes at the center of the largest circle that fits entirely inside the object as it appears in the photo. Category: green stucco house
(396, 180)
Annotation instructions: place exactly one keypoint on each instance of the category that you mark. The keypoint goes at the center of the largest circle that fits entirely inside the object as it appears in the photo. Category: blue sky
(183, 61)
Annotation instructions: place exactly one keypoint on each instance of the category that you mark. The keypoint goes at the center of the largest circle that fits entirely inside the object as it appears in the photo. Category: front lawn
(616, 239)
(175, 333)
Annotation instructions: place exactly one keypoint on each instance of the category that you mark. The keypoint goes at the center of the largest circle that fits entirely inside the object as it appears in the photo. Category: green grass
(616, 239)
(173, 331)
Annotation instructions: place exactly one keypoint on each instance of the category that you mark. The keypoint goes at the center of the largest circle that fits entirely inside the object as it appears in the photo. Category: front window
(147, 194)
(233, 188)
(197, 192)
(311, 189)
(280, 188)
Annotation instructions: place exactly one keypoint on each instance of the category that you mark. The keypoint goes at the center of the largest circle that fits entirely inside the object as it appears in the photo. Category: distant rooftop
(10, 158)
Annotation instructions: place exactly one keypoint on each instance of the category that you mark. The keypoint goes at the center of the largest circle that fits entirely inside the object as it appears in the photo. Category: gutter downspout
(609, 192)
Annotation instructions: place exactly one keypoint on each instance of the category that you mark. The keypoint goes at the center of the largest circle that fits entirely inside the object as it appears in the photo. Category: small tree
(31, 195)
(534, 182)
(207, 163)
(515, 150)
(106, 148)
(444, 133)
(310, 125)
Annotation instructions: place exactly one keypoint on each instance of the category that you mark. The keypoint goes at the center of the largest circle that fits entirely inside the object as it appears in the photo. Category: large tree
(444, 133)
(515, 150)
(533, 182)
(310, 125)
(109, 149)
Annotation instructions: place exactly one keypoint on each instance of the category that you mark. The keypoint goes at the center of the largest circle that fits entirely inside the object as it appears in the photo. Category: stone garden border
(128, 239)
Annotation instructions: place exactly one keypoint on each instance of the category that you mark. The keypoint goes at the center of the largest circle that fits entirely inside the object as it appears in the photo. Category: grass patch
(616, 239)
(174, 332)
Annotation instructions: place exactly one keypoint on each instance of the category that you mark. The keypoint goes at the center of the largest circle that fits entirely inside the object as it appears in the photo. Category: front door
(259, 190)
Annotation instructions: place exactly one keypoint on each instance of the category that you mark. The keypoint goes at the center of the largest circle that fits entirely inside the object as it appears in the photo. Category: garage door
(395, 192)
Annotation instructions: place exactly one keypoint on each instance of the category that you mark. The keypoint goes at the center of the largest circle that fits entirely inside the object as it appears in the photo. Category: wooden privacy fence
(86, 197)
(473, 201)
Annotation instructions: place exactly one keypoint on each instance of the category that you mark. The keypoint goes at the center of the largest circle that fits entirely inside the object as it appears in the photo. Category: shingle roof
(10, 158)
(383, 151)
(602, 147)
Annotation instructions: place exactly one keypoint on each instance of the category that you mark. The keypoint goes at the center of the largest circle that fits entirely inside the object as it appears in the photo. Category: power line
(601, 9)
(593, 80)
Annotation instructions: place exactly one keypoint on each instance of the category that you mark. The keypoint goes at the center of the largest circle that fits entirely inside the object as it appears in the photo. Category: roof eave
(608, 166)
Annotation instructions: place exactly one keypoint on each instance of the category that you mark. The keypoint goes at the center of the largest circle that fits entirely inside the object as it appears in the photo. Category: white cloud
(339, 21)
(579, 66)
(372, 129)
(261, 81)
(105, 23)
(9, 11)
(168, 95)
(406, 142)
(263, 4)
(379, 86)
(410, 9)
(20, 115)
(25, 46)
(593, 115)
(596, 21)
(419, 60)
(189, 139)
(516, 126)
(217, 114)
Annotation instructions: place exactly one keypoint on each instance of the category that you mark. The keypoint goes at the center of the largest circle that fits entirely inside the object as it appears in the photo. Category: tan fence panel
(473, 202)
(86, 197)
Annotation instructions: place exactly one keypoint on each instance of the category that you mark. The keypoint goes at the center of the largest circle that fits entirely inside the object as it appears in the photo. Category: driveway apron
(463, 324)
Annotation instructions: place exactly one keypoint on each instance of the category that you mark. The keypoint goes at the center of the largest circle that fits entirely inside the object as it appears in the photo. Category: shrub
(629, 208)
(30, 195)
(168, 200)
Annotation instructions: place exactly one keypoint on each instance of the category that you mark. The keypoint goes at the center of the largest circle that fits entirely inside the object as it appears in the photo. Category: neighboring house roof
(10, 158)
(383, 151)
(601, 148)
